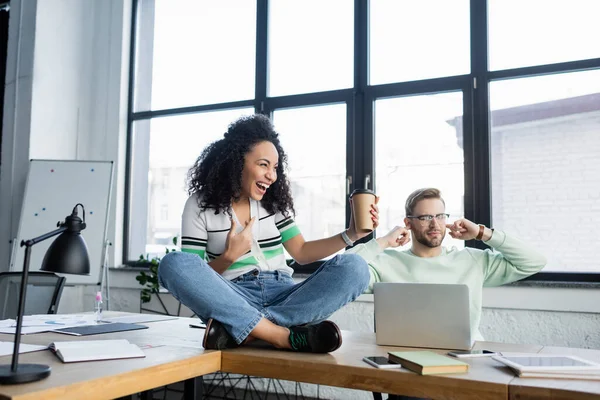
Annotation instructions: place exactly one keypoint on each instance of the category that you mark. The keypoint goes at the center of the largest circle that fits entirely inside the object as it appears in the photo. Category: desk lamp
(68, 254)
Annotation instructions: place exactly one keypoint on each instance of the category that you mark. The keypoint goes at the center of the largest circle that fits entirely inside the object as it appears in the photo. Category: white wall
(66, 97)
(545, 174)
(16, 122)
(59, 69)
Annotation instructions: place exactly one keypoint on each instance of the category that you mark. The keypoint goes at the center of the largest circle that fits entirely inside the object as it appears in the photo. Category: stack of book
(428, 362)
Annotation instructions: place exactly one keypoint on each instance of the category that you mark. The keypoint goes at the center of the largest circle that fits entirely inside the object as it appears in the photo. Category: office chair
(43, 293)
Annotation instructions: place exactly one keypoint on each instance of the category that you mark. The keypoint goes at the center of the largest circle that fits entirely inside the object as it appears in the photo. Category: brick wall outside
(546, 187)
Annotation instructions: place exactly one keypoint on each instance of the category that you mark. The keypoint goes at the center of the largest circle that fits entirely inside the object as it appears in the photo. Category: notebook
(100, 328)
(422, 315)
(428, 362)
(95, 350)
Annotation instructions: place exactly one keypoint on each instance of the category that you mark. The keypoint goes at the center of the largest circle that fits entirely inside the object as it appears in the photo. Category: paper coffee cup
(361, 209)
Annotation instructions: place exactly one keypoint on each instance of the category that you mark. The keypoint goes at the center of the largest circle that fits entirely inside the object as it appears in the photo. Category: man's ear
(407, 223)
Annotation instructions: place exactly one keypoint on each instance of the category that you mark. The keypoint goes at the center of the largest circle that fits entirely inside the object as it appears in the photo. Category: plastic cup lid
(362, 191)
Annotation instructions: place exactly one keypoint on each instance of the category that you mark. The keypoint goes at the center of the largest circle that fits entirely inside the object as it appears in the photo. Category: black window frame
(359, 102)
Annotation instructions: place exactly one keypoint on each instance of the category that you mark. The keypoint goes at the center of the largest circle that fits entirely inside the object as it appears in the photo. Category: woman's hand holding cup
(359, 224)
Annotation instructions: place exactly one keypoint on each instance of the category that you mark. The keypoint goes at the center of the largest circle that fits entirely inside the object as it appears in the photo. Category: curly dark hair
(217, 173)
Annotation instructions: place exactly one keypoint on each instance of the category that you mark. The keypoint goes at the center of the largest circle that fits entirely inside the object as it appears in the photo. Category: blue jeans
(241, 303)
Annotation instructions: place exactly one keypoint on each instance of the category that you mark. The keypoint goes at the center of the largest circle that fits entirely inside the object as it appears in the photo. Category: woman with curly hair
(232, 270)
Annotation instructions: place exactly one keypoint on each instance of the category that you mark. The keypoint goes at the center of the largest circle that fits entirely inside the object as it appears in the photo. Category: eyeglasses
(426, 219)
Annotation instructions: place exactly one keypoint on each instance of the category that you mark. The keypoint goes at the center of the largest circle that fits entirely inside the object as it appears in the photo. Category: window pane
(413, 40)
(204, 52)
(545, 162)
(419, 144)
(311, 46)
(175, 143)
(317, 166)
(533, 32)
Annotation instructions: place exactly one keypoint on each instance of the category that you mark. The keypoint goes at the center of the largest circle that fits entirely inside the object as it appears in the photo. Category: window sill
(556, 284)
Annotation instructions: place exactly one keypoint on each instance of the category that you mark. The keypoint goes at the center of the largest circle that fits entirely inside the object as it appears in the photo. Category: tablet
(547, 362)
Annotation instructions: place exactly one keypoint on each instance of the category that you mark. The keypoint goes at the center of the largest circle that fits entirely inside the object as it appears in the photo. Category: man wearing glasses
(427, 261)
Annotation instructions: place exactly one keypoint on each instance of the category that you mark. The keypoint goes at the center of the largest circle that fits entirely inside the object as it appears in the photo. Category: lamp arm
(43, 237)
(23, 292)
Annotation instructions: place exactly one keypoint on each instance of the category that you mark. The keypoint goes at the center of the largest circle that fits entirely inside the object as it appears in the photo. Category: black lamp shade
(67, 254)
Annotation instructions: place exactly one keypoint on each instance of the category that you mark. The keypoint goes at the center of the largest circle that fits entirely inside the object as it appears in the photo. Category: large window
(546, 164)
(408, 39)
(310, 46)
(419, 144)
(494, 102)
(174, 144)
(315, 139)
(535, 32)
(202, 52)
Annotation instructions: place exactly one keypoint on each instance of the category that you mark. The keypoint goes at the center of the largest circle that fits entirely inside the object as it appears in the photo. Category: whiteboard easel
(52, 190)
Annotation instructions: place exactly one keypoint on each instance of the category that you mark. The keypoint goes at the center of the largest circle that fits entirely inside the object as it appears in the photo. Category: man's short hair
(421, 194)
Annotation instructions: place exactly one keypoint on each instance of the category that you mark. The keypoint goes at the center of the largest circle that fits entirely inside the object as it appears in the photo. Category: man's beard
(426, 241)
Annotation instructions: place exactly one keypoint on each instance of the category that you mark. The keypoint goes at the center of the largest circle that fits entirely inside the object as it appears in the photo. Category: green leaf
(145, 295)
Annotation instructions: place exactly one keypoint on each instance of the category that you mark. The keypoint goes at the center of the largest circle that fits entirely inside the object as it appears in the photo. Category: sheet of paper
(6, 348)
(46, 322)
(7, 323)
(59, 319)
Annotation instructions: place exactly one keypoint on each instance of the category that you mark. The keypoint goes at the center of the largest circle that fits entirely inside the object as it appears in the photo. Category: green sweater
(512, 260)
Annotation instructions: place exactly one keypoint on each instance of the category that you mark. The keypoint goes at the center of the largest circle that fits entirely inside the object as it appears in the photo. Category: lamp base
(25, 373)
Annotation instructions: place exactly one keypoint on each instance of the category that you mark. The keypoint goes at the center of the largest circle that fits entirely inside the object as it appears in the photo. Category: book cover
(93, 350)
(428, 362)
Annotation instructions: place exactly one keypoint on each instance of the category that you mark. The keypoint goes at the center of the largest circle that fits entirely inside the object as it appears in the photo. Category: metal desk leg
(147, 395)
(193, 389)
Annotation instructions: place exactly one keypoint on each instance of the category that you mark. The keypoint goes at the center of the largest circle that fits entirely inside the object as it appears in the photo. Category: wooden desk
(345, 368)
(176, 361)
(180, 357)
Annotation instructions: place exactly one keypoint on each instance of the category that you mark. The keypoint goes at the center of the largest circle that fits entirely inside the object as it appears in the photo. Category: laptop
(422, 315)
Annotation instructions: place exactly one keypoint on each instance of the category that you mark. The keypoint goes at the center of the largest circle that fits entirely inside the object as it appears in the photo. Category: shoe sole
(339, 333)
(208, 326)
